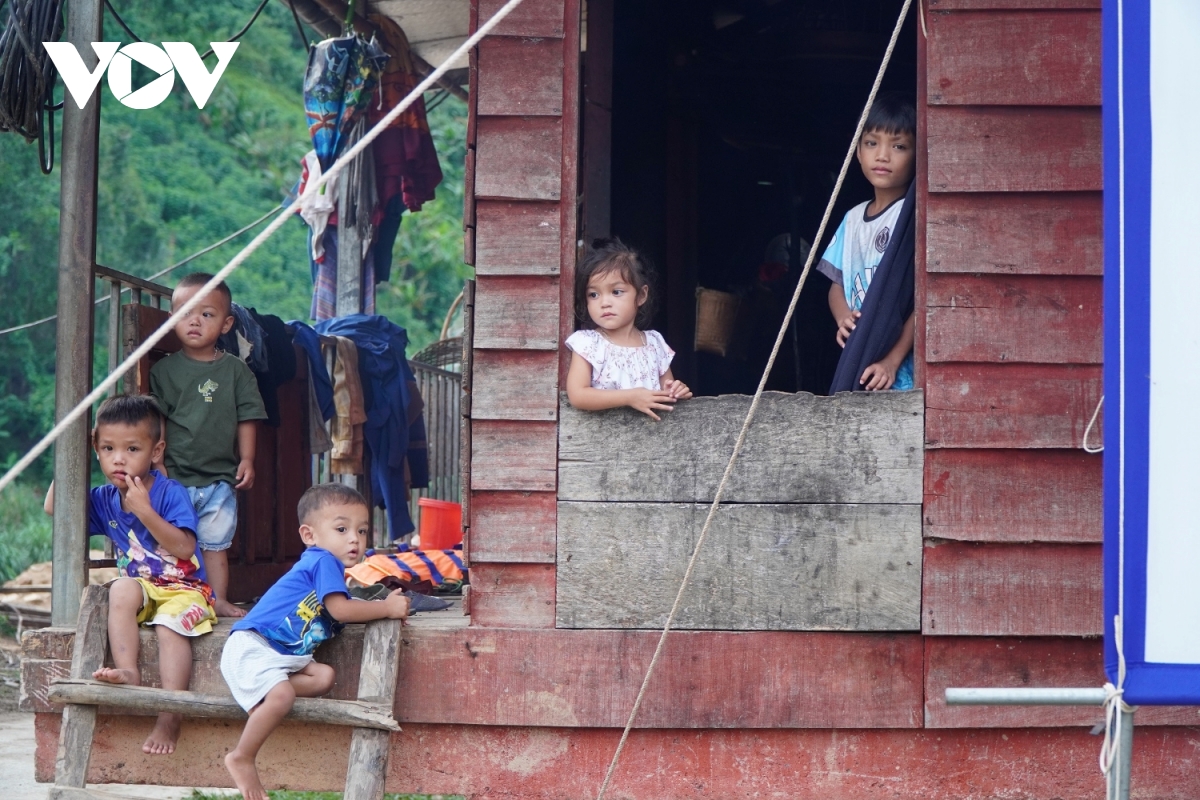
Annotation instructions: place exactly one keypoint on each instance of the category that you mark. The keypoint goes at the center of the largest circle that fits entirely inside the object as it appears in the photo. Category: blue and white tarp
(1152, 347)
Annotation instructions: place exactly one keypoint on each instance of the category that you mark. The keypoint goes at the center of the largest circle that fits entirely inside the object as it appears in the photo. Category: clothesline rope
(82, 407)
(762, 382)
(159, 274)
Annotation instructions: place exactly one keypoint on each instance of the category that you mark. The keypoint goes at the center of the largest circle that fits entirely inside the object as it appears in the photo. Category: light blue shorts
(216, 506)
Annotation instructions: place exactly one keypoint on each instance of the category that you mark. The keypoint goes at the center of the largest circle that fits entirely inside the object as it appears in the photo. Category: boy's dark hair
(327, 494)
(608, 255)
(201, 278)
(129, 409)
(892, 112)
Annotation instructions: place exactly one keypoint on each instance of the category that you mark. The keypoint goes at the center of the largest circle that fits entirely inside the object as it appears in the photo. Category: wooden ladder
(370, 715)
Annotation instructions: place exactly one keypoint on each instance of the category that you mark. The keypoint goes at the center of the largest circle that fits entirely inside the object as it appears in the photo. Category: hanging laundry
(324, 272)
(310, 342)
(339, 83)
(250, 346)
(280, 359)
(347, 428)
(395, 428)
(406, 160)
(316, 210)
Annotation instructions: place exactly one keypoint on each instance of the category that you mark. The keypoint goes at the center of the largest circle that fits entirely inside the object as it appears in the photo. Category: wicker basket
(716, 313)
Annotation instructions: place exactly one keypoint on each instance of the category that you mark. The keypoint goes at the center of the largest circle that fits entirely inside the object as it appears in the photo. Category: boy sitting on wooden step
(268, 660)
(152, 523)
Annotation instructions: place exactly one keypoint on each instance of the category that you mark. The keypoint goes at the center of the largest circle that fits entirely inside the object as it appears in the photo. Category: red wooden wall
(522, 151)
(1012, 352)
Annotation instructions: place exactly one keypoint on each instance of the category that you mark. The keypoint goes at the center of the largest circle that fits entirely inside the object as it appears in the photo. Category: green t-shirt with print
(204, 401)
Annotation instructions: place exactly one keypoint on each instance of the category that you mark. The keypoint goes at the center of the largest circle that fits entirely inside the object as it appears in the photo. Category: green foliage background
(176, 178)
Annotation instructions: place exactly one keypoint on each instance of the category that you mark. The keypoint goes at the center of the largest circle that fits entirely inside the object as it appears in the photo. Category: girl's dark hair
(129, 409)
(608, 255)
(894, 113)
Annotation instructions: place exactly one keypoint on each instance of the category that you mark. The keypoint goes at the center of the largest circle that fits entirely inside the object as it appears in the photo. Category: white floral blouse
(617, 367)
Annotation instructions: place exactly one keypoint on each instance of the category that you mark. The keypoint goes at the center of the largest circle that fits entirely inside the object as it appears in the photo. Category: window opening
(729, 122)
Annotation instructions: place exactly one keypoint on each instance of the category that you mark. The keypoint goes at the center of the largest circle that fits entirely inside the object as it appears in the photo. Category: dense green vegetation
(26, 530)
(175, 178)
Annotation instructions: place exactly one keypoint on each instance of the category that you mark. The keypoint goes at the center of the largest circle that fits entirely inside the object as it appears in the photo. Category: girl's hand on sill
(648, 401)
(677, 390)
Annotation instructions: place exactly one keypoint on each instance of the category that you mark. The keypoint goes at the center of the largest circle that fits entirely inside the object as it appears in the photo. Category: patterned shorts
(182, 610)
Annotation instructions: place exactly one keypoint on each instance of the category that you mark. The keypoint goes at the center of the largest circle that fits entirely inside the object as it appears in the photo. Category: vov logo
(178, 57)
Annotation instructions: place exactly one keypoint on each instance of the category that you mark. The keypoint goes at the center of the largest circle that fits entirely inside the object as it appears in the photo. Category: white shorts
(251, 667)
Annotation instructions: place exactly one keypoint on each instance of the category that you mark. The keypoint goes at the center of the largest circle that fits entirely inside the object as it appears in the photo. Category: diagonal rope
(762, 382)
(82, 407)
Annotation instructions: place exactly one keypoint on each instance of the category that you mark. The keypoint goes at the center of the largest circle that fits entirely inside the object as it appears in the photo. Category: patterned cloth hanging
(339, 84)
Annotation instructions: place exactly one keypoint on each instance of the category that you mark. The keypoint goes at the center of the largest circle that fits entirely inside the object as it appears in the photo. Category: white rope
(762, 382)
(1114, 708)
(255, 243)
(102, 300)
(1087, 432)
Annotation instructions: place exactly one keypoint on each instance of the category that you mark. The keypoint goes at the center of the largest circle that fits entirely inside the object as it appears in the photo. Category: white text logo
(178, 57)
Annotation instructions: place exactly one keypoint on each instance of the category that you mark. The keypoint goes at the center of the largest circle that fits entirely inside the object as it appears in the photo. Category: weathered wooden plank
(79, 722)
(1033, 5)
(520, 76)
(853, 448)
(1010, 405)
(562, 763)
(1012, 590)
(512, 595)
(323, 711)
(516, 238)
(1019, 58)
(515, 384)
(516, 527)
(764, 567)
(1043, 234)
(516, 313)
(569, 241)
(518, 158)
(1013, 496)
(998, 149)
(1012, 663)
(531, 18)
(517, 456)
(1014, 318)
(376, 683)
(820, 764)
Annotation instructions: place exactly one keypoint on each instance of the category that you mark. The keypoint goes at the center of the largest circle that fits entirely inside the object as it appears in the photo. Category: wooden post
(367, 771)
(79, 722)
(76, 255)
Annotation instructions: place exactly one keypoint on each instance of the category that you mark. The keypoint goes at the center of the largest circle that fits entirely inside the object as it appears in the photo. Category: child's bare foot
(224, 608)
(161, 741)
(245, 776)
(110, 675)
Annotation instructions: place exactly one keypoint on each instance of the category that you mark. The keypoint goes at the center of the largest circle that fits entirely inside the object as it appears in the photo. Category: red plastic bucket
(441, 523)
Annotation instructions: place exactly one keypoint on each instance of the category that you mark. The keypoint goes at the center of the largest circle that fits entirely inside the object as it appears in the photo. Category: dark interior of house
(730, 120)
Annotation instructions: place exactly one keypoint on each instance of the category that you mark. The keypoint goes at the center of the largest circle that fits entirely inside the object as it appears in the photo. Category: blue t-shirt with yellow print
(291, 616)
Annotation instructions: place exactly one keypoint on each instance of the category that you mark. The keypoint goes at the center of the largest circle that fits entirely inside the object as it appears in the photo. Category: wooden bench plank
(764, 567)
(376, 684)
(856, 447)
(79, 722)
(150, 699)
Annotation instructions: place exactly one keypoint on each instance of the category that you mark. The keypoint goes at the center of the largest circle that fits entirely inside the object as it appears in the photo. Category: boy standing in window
(886, 155)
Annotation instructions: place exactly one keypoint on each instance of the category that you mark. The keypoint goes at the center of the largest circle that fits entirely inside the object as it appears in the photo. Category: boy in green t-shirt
(212, 405)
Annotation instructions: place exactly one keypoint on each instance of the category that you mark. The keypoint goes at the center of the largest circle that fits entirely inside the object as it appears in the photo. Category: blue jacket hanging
(395, 428)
